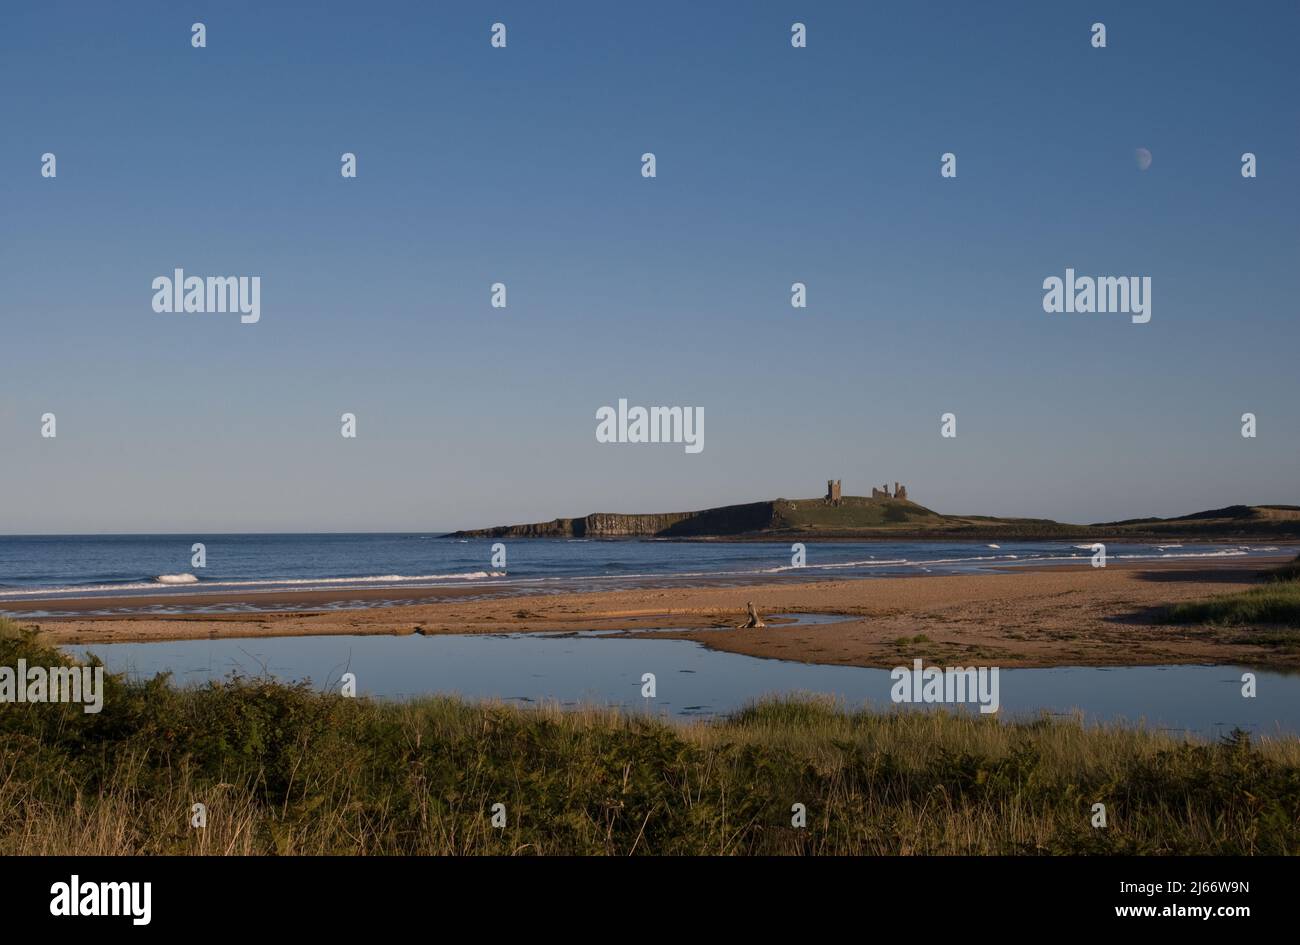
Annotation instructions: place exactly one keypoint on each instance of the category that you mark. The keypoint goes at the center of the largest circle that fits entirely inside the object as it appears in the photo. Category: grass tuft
(1275, 603)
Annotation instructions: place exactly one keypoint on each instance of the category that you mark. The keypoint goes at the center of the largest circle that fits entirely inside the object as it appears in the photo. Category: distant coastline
(859, 518)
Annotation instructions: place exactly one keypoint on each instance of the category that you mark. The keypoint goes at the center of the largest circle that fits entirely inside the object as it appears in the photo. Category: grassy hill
(858, 515)
(1233, 521)
(854, 512)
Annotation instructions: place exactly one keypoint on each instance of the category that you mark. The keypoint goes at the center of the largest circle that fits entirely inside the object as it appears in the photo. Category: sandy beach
(1018, 618)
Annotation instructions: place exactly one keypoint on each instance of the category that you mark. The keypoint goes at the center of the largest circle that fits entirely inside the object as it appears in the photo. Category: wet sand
(1054, 616)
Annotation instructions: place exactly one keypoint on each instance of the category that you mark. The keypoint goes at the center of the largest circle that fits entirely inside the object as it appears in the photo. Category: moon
(1143, 158)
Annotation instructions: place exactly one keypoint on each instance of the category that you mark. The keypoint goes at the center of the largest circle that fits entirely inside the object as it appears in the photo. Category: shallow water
(694, 681)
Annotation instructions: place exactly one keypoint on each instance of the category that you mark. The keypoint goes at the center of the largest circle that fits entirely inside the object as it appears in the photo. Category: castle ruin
(900, 492)
(834, 496)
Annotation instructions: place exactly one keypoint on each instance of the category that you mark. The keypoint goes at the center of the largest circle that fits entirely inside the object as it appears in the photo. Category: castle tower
(833, 491)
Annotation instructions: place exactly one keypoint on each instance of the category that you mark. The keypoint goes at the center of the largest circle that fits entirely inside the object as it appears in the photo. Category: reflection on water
(694, 681)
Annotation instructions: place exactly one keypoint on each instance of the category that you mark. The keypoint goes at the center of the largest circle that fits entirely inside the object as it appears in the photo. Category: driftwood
(754, 622)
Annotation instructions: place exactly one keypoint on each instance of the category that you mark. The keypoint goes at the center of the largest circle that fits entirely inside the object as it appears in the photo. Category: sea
(67, 567)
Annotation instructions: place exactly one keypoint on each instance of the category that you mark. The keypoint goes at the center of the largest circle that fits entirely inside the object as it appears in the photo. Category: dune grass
(1276, 602)
(1288, 572)
(1272, 604)
(283, 769)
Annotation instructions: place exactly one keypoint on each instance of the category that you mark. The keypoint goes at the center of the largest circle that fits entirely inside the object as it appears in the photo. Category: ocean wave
(873, 562)
(374, 579)
(620, 570)
(1225, 553)
(189, 580)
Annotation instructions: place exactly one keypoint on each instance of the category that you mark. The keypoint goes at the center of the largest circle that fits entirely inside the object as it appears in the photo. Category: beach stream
(608, 668)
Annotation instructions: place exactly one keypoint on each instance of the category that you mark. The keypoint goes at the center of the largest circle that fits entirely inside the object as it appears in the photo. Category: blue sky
(522, 165)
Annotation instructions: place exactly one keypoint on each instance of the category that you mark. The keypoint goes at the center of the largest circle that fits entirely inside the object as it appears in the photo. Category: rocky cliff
(725, 520)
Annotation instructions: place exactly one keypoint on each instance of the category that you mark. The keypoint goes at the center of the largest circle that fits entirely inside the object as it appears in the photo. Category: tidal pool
(691, 680)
